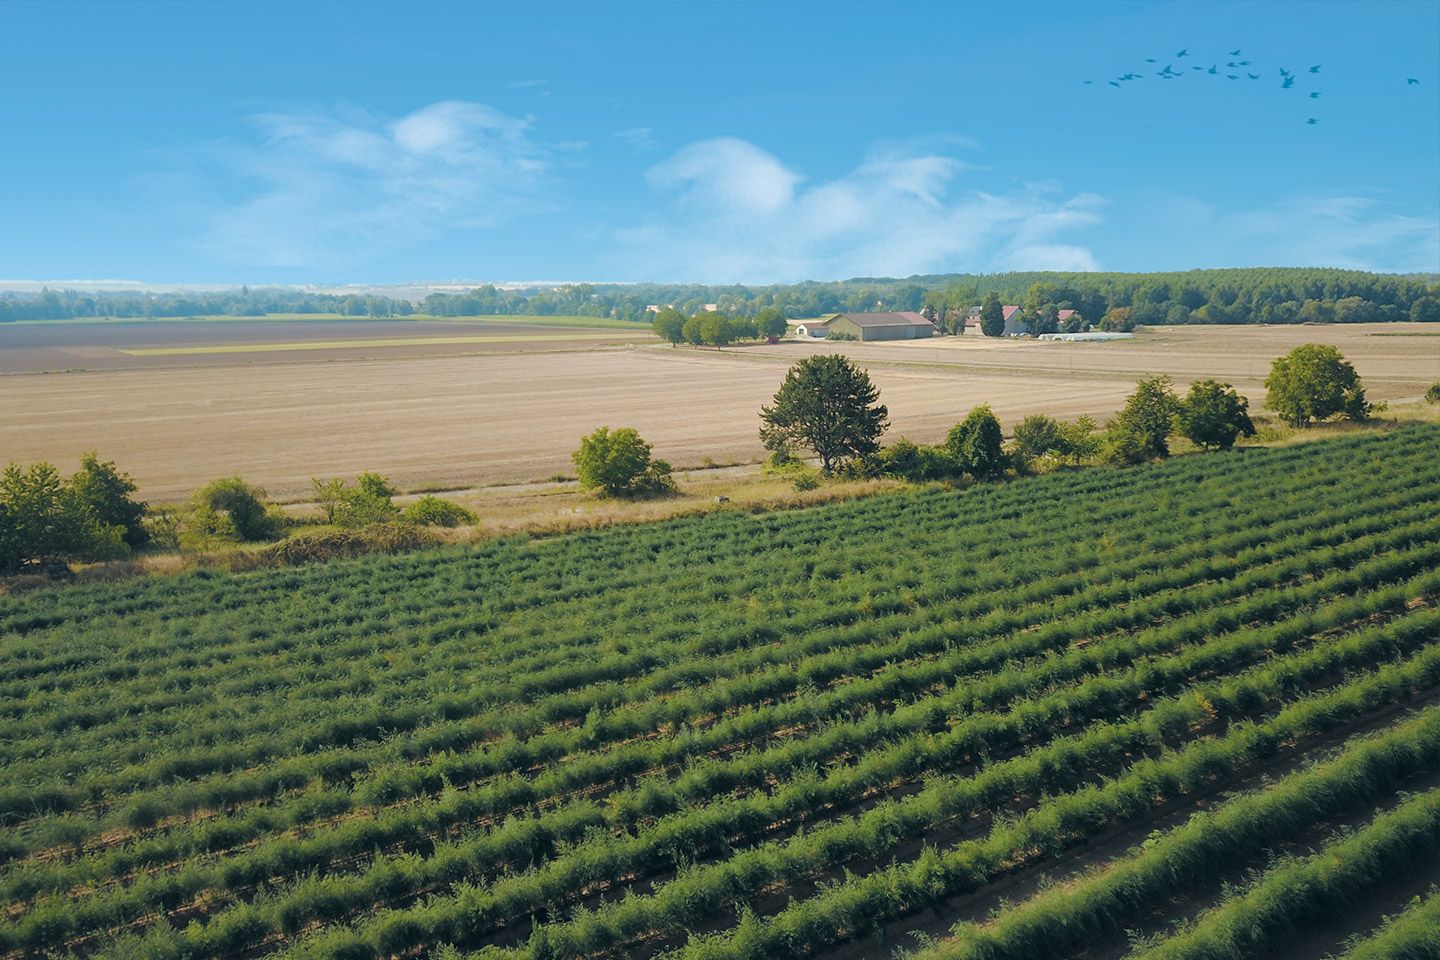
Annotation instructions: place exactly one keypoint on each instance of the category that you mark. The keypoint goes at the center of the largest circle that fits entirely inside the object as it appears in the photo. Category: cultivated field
(457, 415)
(1097, 702)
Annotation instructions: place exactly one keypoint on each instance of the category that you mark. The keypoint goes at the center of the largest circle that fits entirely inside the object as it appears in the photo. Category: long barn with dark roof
(882, 326)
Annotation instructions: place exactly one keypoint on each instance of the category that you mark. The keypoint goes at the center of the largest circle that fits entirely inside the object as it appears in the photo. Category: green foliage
(905, 460)
(716, 329)
(1213, 415)
(346, 544)
(691, 332)
(310, 749)
(770, 322)
(431, 511)
(1118, 320)
(1039, 437)
(669, 324)
(975, 445)
(44, 520)
(230, 509)
(1432, 393)
(1426, 309)
(1139, 432)
(107, 492)
(828, 405)
(618, 464)
(992, 316)
(1314, 382)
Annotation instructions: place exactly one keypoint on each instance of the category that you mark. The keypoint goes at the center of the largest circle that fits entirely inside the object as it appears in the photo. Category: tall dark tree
(974, 444)
(992, 316)
(828, 405)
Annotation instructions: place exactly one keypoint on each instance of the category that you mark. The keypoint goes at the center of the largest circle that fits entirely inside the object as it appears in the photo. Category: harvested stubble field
(466, 415)
(1099, 695)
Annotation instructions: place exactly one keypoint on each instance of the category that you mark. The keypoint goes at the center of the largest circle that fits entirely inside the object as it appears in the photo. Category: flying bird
(1197, 68)
(1315, 95)
(1312, 121)
(1149, 59)
(1212, 71)
(1234, 53)
(1183, 53)
(1288, 83)
(1088, 82)
(1285, 73)
(1114, 84)
(1411, 81)
(1231, 76)
(1315, 69)
(1252, 76)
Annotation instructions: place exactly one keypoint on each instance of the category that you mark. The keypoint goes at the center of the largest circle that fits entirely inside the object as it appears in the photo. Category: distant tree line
(1250, 295)
(245, 302)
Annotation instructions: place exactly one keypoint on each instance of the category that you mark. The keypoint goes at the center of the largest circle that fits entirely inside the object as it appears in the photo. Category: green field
(1056, 714)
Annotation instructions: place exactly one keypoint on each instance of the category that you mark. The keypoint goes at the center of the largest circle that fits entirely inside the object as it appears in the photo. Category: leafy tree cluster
(1314, 382)
(246, 302)
(46, 518)
(369, 501)
(714, 328)
(617, 463)
(1254, 295)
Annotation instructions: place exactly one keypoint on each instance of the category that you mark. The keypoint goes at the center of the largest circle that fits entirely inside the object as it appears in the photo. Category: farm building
(1013, 323)
(815, 330)
(882, 326)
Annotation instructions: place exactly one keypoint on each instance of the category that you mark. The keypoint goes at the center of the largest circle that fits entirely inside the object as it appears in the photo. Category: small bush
(431, 511)
(1433, 394)
(342, 544)
(909, 461)
(231, 509)
(808, 480)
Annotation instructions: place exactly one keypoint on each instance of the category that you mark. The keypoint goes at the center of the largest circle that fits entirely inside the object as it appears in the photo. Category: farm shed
(1013, 322)
(883, 326)
(813, 330)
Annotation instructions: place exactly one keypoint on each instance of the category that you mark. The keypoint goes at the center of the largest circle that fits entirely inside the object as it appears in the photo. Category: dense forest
(1255, 295)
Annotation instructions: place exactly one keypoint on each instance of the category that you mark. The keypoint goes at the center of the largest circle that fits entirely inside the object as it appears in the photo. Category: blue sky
(721, 142)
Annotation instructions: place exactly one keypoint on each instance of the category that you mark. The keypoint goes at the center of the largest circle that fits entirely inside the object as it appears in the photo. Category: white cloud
(1354, 232)
(641, 138)
(330, 190)
(734, 212)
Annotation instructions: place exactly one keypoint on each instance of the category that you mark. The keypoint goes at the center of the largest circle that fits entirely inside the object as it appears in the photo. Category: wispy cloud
(1355, 232)
(734, 212)
(641, 138)
(333, 189)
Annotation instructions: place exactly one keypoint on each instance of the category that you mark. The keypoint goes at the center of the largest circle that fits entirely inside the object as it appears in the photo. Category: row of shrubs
(48, 521)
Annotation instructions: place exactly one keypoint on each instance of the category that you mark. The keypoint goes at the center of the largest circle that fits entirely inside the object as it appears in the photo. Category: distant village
(918, 325)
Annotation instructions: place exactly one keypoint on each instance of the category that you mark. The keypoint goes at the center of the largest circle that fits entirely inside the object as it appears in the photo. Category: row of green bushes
(48, 521)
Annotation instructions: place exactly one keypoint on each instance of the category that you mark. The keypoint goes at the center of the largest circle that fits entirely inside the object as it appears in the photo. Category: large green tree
(107, 492)
(770, 322)
(992, 316)
(1213, 415)
(1314, 382)
(669, 324)
(1140, 431)
(617, 463)
(828, 405)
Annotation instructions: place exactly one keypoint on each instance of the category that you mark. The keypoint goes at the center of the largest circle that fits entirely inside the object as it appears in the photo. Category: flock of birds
(1287, 79)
